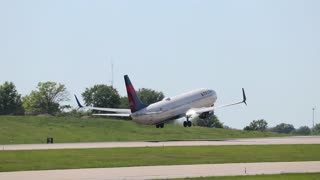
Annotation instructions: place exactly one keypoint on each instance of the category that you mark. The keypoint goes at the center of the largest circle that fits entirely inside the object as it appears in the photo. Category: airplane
(191, 105)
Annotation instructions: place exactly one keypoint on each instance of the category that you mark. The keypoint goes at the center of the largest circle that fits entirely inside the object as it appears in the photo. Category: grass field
(20, 130)
(311, 176)
(126, 157)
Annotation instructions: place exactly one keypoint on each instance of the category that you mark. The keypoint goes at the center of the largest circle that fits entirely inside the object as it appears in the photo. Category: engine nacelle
(206, 115)
(193, 115)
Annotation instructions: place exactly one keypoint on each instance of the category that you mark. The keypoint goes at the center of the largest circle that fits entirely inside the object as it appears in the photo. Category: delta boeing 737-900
(194, 104)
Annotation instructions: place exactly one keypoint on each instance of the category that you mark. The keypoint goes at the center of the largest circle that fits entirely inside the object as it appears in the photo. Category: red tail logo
(134, 101)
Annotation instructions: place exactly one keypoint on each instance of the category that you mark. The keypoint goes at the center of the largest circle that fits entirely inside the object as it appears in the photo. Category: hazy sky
(271, 48)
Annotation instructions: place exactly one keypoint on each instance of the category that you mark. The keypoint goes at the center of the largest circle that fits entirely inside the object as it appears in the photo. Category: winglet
(244, 97)
(78, 102)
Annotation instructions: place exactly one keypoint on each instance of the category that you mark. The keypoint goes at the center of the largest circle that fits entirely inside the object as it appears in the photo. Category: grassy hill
(29, 129)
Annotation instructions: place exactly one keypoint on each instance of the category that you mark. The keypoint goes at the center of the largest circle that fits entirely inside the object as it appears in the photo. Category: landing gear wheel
(185, 123)
(160, 125)
(189, 123)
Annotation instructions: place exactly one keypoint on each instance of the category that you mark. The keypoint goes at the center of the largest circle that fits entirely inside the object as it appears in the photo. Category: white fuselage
(175, 107)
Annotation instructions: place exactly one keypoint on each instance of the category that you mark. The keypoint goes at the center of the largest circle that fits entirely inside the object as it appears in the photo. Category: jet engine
(193, 115)
(206, 115)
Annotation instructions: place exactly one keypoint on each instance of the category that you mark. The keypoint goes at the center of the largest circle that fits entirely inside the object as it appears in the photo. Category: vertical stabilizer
(134, 101)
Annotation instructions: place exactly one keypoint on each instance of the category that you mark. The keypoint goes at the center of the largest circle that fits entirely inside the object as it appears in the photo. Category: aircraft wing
(111, 110)
(209, 109)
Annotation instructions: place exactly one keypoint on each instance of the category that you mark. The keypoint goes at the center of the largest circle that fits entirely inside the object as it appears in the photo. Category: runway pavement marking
(164, 172)
(243, 141)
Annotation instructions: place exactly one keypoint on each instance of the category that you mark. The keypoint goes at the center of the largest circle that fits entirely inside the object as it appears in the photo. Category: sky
(269, 47)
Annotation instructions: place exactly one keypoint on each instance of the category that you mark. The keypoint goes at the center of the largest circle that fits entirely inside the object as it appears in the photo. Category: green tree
(316, 129)
(101, 96)
(211, 122)
(303, 130)
(283, 128)
(10, 100)
(149, 96)
(257, 125)
(124, 102)
(46, 98)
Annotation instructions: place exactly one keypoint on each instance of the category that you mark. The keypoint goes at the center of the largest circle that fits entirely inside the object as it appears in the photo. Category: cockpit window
(168, 99)
(204, 93)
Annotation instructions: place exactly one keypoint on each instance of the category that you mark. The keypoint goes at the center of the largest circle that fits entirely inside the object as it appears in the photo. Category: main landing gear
(187, 123)
(160, 125)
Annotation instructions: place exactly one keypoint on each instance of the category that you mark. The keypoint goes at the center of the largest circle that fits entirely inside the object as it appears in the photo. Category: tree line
(262, 125)
(51, 97)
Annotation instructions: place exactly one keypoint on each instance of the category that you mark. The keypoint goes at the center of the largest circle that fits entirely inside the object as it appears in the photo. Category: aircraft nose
(213, 93)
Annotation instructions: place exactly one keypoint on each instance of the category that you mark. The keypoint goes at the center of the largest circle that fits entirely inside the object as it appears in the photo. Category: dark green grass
(311, 176)
(20, 130)
(126, 157)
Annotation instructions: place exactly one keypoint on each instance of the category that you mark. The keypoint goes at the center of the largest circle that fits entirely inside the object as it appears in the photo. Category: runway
(242, 141)
(164, 172)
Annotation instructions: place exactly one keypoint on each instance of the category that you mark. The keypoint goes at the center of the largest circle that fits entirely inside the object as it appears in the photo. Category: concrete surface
(164, 172)
(243, 141)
